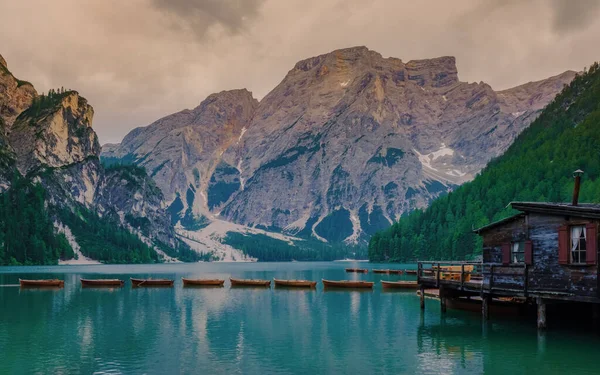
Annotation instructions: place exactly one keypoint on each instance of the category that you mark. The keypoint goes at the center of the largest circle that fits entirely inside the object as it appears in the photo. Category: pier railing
(487, 277)
(450, 272)
(513, 278)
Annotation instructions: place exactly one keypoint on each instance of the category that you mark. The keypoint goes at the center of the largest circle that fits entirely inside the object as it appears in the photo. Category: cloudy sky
(138, 60)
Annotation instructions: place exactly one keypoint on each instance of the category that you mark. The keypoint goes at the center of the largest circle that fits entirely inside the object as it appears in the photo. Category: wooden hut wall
(545, 273)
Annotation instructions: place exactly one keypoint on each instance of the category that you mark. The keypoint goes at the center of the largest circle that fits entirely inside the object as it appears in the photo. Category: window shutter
(528, 252)
(563, 245)
(506, 253)
(591, 242)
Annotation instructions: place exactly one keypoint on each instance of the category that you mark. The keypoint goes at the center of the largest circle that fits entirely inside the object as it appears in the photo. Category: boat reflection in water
(99, 283)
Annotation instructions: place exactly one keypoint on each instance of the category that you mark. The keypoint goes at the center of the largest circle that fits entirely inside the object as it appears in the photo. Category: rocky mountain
(181, 152)
(49, 140)
(344, 145)
(15, 96)
(537, 167)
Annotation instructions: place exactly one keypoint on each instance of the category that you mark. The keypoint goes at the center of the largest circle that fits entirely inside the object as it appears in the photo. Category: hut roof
(586, 210)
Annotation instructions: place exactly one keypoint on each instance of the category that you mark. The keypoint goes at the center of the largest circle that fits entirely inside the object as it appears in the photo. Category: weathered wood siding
(494, 238)
(545, 274)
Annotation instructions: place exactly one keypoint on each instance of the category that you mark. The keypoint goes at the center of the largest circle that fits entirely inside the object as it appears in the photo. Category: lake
(262, 331)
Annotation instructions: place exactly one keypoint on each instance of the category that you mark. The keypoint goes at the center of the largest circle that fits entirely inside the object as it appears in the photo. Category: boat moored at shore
(357, 270)
(381, 271)
(250, 282)
(352, 284)
(151, 282)
(399, 284)
(295, 283)
(202, 282)
(55, 283)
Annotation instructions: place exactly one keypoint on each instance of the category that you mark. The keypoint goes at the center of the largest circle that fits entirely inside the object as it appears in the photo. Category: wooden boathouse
(547, 253)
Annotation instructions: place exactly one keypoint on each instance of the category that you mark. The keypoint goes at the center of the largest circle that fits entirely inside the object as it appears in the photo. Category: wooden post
(541, 313)
(442, 299)
(485, 306)
(462, 276)
(422, 297)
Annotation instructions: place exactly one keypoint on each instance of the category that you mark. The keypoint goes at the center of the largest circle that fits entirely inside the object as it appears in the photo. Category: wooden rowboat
(410, 272)
(381, 271)
(151, 282)
(295, 283)
(399, 284)
(202, 282)
(102, 282)
(396, 272)
(347, 284)
(42, 283)
(249, 282)
(357, 270)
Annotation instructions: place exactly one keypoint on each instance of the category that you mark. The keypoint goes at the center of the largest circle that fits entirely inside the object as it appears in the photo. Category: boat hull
(410, 272)
(295, 283)
(102, 282)
(202, 282)
(399, 284)
(396, 272)
(247, 282)
(348, 284)
(151, 282)
(381, 271)
(357, 270)
(53, 283)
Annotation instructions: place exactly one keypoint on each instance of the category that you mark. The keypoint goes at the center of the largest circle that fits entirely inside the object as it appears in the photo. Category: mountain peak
(350, 54)
(225, 95)
(349, 140)
(436, 72)
(433, 72)
(15, 95)
(61, 134)
(229, 104)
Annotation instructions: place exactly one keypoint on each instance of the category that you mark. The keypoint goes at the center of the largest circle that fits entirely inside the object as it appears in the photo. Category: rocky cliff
(343, 146)
(56, 131)
(15, 95)
(183, 151)
(49, 139)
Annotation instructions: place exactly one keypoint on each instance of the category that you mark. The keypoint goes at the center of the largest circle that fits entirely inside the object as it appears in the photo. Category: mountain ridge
(537, 167)
(346, 143)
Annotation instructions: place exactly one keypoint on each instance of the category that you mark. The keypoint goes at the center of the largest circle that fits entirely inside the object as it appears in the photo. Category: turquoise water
(262, 331)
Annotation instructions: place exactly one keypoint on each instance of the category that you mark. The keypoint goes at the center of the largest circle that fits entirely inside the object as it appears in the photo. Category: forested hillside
(27, 234)
(269, 249)
(537, 167)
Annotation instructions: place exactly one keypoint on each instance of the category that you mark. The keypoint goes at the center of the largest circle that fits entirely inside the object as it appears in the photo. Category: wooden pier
(546, 253)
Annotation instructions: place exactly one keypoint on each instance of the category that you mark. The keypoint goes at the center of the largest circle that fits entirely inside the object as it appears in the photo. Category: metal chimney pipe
(577, 175)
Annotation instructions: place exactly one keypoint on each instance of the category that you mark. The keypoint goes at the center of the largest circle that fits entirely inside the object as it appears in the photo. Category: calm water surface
(261, 331)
